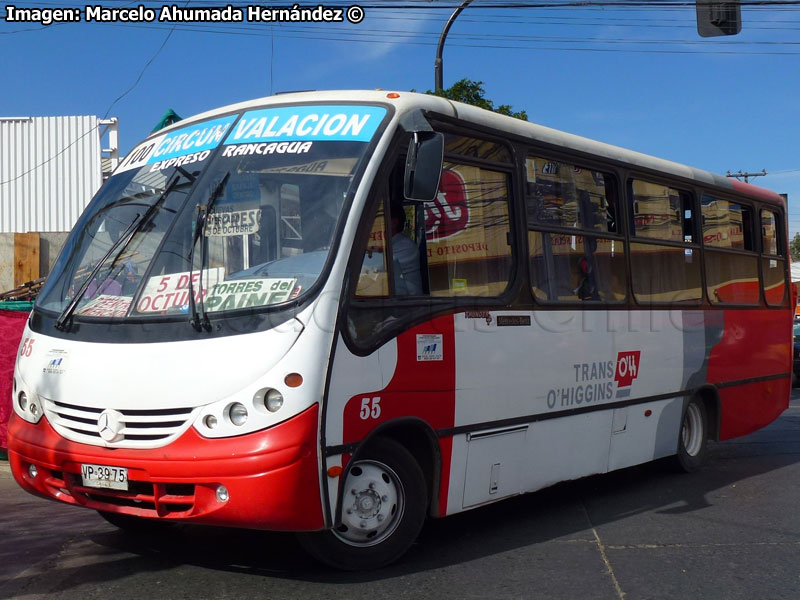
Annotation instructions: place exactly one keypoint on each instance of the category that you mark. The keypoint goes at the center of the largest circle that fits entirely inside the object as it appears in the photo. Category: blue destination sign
(353, 123)
(180, 147)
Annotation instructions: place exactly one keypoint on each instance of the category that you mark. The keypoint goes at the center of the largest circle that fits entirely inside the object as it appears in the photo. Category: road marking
(602, 549)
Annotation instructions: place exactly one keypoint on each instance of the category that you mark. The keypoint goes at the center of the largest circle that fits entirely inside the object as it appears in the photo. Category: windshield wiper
(199, 318)
(63, 321)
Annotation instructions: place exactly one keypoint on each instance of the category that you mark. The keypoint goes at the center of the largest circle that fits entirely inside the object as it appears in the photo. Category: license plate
(99, 476)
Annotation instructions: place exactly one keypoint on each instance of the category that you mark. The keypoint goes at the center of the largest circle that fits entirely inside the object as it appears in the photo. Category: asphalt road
(731, 530)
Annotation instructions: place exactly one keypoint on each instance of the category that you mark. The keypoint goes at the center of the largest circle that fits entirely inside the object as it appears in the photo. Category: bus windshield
(244, 224)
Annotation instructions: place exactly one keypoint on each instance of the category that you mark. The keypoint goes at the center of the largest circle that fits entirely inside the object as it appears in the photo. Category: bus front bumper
(264, 480)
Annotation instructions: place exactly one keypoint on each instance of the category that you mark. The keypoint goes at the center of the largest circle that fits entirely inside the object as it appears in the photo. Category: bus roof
(407, 101)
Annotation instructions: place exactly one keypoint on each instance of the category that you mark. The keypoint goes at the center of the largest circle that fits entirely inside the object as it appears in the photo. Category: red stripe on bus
(754, 343)
(758, 192)
(422, 387)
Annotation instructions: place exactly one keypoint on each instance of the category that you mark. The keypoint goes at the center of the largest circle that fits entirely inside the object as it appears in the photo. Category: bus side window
(773, 265)
(393, 262)
(467, 233)
(373, 279)
(730, 259)
(406, 258)
(458, 245)
(587, 263)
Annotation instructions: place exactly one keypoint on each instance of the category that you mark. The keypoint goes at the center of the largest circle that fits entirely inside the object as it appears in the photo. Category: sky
(630, 73)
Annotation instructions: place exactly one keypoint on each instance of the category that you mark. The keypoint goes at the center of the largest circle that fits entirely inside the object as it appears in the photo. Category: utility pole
(437, 64)
(746, 175)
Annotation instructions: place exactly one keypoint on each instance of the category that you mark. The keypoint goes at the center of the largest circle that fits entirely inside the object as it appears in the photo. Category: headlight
(274, 401)
(245, 413)
(28, 407)
(237, 413)
(269, 398)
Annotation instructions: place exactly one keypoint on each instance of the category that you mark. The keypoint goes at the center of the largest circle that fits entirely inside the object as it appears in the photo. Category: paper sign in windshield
(246, 293)
(106, 306)
(171, 292)
(232, 222)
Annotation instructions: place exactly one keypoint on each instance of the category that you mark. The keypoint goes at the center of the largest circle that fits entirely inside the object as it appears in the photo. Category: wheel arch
(416, 436)
(709, 396)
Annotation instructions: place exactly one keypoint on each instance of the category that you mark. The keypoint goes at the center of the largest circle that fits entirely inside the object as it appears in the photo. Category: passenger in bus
(405, 253)
(319, 224)
(587, 288)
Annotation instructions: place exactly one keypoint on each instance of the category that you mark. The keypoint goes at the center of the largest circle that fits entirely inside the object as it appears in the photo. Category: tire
(384, 501)
(135, 525)
(692, 438)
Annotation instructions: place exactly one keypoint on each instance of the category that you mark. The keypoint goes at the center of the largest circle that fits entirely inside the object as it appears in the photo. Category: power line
(465, 40)
(422, 9)
(105, 116)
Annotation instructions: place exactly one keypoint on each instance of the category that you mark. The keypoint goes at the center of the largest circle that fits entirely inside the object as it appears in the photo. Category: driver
(407, 277)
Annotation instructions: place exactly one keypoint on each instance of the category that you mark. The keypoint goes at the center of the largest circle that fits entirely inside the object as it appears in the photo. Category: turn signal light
(293, 380)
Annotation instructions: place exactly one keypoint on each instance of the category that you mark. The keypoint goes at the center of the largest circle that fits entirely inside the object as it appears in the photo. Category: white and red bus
(341, 313)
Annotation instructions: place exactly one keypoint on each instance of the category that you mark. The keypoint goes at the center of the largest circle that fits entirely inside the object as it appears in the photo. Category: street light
(437, 64)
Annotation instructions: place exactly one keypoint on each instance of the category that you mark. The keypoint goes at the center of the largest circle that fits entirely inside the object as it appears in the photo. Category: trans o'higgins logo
(448, 214)
(593, 382)
(627, 370)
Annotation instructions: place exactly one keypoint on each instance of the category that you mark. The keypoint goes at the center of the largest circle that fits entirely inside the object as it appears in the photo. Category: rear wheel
(383, 509)
(692, 437)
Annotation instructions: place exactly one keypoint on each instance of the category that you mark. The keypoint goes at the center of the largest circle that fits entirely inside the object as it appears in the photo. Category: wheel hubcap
(372, 506)
(692, 431)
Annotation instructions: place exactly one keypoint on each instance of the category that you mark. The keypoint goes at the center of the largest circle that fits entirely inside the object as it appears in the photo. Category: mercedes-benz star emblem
(110, 425)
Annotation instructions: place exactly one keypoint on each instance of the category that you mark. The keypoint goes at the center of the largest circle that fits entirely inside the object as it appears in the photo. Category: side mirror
(424, 166)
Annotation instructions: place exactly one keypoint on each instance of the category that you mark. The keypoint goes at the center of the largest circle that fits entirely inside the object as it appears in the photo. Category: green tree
(472, 92)
(794, 247)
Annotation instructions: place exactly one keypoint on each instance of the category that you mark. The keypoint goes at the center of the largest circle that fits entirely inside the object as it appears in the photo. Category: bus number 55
(370, 408)
(27, 348)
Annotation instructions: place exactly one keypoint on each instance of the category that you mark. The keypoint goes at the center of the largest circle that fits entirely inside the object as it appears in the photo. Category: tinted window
(770, 234)
(660, 212)
(564, 195)
(731, 278)
(476, 148)
(457, 245)
(665, 274)
(571, 268)
(774, 272)
(727, 224)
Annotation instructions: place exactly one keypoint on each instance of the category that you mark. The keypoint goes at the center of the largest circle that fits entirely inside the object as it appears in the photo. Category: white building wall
(50, 167)
(795, 268)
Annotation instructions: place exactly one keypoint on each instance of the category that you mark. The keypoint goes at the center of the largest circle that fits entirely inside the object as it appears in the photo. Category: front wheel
(692, 438)
(383, 509)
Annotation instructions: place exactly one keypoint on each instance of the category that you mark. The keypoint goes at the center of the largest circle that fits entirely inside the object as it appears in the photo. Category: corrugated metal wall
(49, 170)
